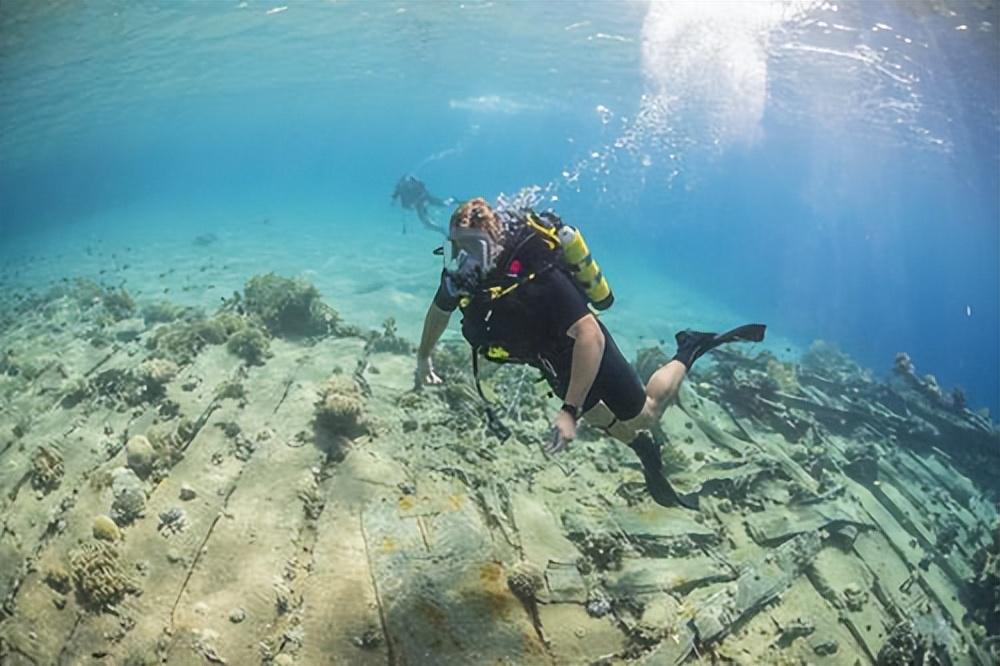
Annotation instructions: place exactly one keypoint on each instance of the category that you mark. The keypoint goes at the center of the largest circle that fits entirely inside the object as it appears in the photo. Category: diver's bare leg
(661, 392)
(662, 388)
(601, 417)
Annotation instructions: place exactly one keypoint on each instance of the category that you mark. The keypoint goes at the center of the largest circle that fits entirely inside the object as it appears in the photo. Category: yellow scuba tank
(585, 270)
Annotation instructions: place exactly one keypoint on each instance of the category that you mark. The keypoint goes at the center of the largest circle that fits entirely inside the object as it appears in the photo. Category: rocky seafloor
(262, 484)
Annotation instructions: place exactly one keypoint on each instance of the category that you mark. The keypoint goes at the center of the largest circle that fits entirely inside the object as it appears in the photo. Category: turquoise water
(829, 168)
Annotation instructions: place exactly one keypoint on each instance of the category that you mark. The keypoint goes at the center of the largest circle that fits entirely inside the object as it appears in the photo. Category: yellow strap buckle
(497, 353)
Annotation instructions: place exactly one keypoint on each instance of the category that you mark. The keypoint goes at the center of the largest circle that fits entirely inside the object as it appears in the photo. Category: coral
(129, 497)
(525, 580)
(648, 360)
(99, 575)
(289, 307)
(168, 446)
(118, 304)
(958, 400)
(598, 605)
(46, 469)
(117, 387)
(904, 365)
(826, 359)
(984, 588)
(312, 498)
(674, 459)
(75, 390)
(172, 521)
(59, 578)
(23, 422)
(905, 645)
(947, 532)
(230, 429)
(157, 371)
(370, 639)
(106, 529)
(101, 479)
(181, 341)
(824, 647)
(230, 389)
(933, 389)
(783, 374)
(862, 463)
(139, 454)
(389, 340)
(86, 292)
(161, 312)
(451, 361)
(225, 324)
(795, 629)
(854, 597)
(250, 344)
(341, 408)
(602, 551)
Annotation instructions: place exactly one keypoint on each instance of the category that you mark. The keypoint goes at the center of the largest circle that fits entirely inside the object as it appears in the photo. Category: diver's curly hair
(477, 214)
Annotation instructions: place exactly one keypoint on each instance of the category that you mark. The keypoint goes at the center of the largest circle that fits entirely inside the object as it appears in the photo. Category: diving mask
(471, 258)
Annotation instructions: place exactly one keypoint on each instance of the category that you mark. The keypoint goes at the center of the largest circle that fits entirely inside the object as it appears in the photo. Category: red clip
(515, 268)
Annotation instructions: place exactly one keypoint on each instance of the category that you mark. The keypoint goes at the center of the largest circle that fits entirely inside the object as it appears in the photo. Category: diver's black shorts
(617, 383)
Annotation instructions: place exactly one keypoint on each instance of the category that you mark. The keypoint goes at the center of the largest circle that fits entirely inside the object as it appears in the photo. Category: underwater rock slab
(770, 526)
(574, 638)
(655, 523)
(913, 478)
(726, 474)
(647, 575)
(442, 594)
(760, 581)
(666, 619)
(340, 615)
(672, 650)
(540, 533)
(565, 583)
(847, 584)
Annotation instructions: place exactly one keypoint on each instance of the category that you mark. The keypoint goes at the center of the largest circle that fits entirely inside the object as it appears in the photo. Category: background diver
(413, 195)
(524, 289)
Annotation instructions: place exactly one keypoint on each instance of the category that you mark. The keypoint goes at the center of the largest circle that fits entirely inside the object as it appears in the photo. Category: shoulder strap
(493, 422)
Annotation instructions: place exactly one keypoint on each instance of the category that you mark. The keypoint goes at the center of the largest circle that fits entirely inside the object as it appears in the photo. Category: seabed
(262, 484)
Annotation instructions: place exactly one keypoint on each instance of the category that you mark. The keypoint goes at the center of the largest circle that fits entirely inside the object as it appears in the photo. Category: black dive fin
(692, 344)
(652, 471)
(745, 333)
(664, 494)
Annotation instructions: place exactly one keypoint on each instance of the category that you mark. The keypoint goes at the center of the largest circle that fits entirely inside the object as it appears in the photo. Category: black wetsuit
(531, 321)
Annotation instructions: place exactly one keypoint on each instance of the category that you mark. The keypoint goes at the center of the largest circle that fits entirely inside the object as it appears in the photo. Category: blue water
(828, 168)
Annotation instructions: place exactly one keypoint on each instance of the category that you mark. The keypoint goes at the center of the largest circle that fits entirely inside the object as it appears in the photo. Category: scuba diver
(524, 282)
(412, 195)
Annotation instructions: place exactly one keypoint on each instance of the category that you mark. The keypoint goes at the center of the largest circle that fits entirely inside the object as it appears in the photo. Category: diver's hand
(425, 373)
(562, 433)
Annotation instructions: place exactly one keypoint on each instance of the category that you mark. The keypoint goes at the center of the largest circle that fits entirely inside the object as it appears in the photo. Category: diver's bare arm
(435, 323)
(588, 350)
